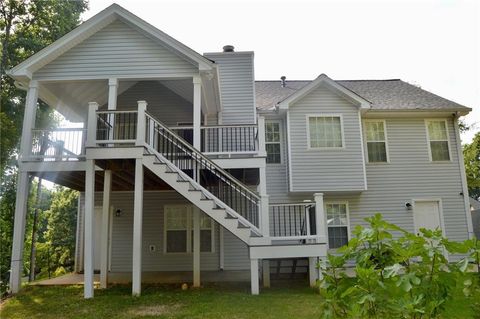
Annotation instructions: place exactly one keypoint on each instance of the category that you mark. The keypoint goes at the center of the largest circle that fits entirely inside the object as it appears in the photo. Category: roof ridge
(382, 80)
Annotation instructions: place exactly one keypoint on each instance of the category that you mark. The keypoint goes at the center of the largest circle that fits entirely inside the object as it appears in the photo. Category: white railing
(116, 127)
(292, 221)
(60, 144)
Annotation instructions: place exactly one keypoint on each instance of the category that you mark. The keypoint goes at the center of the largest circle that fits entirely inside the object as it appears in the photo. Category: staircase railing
(202, 170)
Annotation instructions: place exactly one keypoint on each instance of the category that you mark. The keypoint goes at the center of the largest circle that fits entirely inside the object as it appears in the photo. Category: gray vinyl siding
(409, 175)
(325, 169)
(236, 253)
(163, 104)
(116, 50)
(237, 89)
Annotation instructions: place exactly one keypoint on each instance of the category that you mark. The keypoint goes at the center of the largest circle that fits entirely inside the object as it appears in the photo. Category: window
(438, 140)
(273, 142)
(179, 230)
(325, 131)
(337, 222)
(376, 141)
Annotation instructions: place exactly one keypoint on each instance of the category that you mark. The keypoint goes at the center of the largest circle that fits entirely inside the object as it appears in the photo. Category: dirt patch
(157, 310)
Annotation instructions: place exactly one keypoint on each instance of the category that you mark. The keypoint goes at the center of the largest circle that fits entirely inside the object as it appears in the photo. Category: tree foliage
(471, 154)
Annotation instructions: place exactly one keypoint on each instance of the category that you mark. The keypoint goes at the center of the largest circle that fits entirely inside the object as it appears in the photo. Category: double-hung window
(325, 131)
(438, 140)
(179, 230)
(376, 137)
(273, 142)
(337, 222)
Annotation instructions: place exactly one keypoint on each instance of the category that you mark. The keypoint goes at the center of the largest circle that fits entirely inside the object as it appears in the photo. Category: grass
(292, 300)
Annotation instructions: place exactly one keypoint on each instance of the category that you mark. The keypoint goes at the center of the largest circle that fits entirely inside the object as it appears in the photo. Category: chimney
(284, 81)
(228, 48)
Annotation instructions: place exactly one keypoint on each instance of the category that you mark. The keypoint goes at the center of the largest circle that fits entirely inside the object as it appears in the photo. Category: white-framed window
(337, 223)
(273, 142)
(178, 230)
(438, 140)
(376, 140)
(325, 131)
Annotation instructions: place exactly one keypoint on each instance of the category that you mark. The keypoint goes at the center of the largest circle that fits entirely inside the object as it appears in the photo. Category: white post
(264, 215)
(196, 247)
(222, 248)
(92, 124)
(141, 123)
(320, 219)
(254, 276)
(19, 231)
(266, 273)
(137, 229)
(107, 187)
(313, 271)
(112, 93)
(197, 111)
(261, 136)
(88, 224)
(29, 118)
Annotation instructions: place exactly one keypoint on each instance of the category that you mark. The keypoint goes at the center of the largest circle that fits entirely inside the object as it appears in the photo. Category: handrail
(292, 221)
(205, 158)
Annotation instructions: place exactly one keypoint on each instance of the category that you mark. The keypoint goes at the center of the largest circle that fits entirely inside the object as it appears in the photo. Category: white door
(426, 214)
(97, 226)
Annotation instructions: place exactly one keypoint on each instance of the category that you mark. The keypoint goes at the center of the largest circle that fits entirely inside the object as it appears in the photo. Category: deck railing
(116, 127)
(292, 221)
(59, 144)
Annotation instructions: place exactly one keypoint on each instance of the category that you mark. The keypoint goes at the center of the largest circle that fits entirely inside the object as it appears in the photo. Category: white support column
(197, 111)
(107, 187)
(196, 247)
(137, 229)
(29, 119)
(141, 123)
(254, 276)
(265, 215)
(92, 124)
(222, 248)
(88, 225)
(320, 219)
(261, 136)
(112, 93)
(266, 273)
(19, 231)
(313, 271)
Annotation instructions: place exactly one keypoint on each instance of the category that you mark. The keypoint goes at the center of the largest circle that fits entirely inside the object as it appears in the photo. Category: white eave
(324, 80)
(23, 71)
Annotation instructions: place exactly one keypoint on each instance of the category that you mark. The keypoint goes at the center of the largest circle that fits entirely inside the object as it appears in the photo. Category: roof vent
(228, 48)
(284, 81)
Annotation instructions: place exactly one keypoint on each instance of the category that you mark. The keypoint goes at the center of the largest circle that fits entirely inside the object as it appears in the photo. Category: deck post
(264, 216)
(320, 219)
(19, 231)
(261, 136)
(92, 124)
(137, 229)
(254, 276)
(313, 271)
(197, 111)
(141, 123)
(88, 224)
(107, 187)
(29, 119)
(266, 273)
(196, 247)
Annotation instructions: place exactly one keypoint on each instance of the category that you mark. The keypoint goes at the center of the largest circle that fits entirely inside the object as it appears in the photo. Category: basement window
(338, 225)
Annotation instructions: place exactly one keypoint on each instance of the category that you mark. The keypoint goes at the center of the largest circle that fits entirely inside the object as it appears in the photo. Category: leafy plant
(397, 274)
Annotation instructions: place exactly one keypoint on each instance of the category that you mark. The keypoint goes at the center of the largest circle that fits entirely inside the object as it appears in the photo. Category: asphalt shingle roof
(383, 94)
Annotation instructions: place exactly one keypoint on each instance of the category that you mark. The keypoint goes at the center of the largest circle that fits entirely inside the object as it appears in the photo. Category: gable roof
(96, 23)
(386, 95)
(324, 81)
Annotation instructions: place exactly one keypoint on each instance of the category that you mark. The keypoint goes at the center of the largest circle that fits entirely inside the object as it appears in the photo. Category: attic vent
(284, 81)
(228, 48)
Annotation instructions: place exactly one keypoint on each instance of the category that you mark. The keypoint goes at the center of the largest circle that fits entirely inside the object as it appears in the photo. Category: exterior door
(426, 214)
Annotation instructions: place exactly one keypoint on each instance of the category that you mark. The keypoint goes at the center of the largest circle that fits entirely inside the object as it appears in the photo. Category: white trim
(289, 159)
(365, 142)
(438, 200)
(325, 80)
(339, 202)
(426, 121)
(316, 115)
(463, 176)
(362, 141)
(279, 122)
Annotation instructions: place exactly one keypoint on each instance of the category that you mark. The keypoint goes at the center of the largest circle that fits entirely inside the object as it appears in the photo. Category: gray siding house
(188, 166)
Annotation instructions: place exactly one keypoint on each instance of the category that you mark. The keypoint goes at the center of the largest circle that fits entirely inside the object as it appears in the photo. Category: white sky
(434, 44)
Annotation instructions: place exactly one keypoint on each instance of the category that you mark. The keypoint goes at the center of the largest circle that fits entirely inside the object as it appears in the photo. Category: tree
(471, 154)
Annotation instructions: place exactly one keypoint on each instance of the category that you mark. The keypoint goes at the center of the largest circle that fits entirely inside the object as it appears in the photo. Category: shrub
(398, 274)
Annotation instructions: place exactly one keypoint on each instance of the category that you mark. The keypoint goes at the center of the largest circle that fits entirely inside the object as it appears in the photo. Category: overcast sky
(434, 44)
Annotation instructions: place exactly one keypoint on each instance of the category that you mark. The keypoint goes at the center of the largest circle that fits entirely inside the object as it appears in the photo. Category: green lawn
(213, 301)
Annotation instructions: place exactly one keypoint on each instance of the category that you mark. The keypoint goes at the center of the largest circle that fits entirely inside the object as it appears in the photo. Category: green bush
(398, 274)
